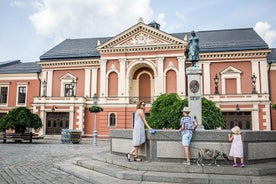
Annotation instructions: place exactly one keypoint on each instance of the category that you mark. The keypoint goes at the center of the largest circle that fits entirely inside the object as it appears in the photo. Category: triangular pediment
(67, 76)
(141, 35)
(231, 69)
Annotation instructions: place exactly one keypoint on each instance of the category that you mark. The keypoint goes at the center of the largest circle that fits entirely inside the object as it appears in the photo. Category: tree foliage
(166, 112)
(19, 119)
(274, 106)
(211, 115)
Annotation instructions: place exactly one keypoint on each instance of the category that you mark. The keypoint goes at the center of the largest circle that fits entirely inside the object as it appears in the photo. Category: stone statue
(193, 52)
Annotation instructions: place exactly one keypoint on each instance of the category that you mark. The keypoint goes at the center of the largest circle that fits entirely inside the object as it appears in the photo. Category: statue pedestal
(194, 93)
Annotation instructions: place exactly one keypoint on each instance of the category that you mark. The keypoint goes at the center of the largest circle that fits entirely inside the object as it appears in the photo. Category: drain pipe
(269, 91)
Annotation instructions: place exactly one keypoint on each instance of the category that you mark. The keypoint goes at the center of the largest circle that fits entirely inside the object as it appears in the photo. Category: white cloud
(16, 3)
(161, 20)
(180, 15)
(88, 18)
(264, 30)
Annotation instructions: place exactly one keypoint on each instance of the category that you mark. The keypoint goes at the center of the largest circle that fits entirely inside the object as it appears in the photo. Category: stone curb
(109, 168)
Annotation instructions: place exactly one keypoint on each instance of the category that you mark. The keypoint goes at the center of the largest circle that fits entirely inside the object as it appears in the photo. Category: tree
(274, 106)
(166, 112)
(211, 115)
(19, 119)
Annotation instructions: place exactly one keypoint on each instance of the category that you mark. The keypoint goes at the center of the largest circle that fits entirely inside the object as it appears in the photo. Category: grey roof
(272, 56)
(210, 41)
(17, 66)
(228, 40)
(75, 48)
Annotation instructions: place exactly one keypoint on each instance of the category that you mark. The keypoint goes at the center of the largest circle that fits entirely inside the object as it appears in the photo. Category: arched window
(112, 119)
(171, 82)
(113, 84)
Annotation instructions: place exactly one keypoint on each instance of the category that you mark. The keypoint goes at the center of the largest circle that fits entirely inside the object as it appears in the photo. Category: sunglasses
(143, 104)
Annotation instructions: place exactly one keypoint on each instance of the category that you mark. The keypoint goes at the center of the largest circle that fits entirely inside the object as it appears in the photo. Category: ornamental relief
(141, 39)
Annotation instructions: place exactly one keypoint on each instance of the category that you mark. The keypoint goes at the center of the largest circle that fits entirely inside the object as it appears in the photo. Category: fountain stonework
(165, 145)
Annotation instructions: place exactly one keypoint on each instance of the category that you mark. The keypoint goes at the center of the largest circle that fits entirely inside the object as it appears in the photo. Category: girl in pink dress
(236, 150)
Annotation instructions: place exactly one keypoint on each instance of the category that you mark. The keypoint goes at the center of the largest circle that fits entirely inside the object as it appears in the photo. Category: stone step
(98, 172)
(153, 176)
(96, 177)
(110, 168)
(248, 170)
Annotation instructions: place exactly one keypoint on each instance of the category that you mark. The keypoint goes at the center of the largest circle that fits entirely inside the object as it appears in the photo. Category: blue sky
(29, 28)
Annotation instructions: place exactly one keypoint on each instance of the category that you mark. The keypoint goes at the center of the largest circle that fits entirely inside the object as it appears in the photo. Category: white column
(267, 123)
(80, 118)
(207, 78)
(121, 80)
(42, 115)
(94, 82)
(43, 78)
(263, 76)
(50, 82)
(103, 88)
(181, 82)
(87, 82)
(159, 85)
(255, 117)
(255, 69)
(71, 116)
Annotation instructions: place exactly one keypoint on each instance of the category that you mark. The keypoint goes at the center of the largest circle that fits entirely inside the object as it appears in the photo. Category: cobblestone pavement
(33, 162)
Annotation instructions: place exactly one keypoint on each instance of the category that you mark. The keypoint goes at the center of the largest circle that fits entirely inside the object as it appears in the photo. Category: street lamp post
(73, 83)
(44, 83)
(254, 79)
(95, 100)
(216, 79)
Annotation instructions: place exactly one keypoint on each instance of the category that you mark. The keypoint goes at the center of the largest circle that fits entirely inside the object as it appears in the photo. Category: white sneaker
(187, 163)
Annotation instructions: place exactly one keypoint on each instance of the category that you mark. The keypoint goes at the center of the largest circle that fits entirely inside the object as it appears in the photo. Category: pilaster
(87, 82)
(49, 83)
(103, 87)
(94, 82)
(181, 81)
(122, 84)
(159, 85)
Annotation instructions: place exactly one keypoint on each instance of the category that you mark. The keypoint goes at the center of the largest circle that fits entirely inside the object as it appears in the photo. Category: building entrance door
(241, 119)
(56, 121)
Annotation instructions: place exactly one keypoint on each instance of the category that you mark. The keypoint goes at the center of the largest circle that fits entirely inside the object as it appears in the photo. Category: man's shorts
(186, 139)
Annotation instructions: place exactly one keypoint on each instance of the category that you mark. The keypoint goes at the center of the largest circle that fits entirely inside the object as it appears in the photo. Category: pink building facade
(143, 62)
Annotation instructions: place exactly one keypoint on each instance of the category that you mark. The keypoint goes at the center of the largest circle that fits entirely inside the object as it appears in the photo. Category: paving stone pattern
(33, 162)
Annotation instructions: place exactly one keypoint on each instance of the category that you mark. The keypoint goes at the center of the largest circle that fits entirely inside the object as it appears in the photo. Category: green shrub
(166, 113)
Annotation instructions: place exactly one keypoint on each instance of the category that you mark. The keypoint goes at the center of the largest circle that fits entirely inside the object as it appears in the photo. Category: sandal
(128, 156)
(136, 159)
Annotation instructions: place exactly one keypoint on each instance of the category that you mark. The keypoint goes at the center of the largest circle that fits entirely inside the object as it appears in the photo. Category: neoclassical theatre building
(142, 62)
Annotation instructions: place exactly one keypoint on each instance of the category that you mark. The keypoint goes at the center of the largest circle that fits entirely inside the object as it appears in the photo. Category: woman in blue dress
(139, 136)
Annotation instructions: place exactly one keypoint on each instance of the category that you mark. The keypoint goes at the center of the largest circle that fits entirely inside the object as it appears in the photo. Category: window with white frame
(112, 119)
(68, 90)
(3, 94)
(21, 96)
(66, 82)
(231, 76)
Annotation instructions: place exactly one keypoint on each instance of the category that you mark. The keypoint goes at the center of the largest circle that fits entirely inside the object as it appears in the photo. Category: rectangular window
(22, 95)
(68, 90)
(3, 95)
